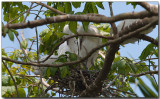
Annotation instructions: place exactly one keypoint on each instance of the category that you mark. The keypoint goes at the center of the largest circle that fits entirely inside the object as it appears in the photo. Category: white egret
(128, 22)
(38, 70)
(87, 43)
(69, 45)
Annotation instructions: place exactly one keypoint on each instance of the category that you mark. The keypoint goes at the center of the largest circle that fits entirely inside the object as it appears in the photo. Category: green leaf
(3, 52)
(146, 89)
(95, 10)
(6, 30)
(134, 4)
(53, 70)
(22, 92)
(11, 36)
(121, 67)
(67, 7)
(73, 57)
(133, 67)
(73, 26)
(24, 44)
(64, 71)
(147, 51)
(15, 32)
(154, 84)
(60, 35)
(62, 58)
(100, 5)
(48, 72)
(132, 79)
(60, 8)
(76, 4)
(5, 80)
(7, 91)
(85, 26)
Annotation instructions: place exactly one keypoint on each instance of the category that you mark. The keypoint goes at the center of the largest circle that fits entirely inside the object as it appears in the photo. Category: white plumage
(81, 47)
(128, 22)
(69, 45)
(87, 43)
(37, 70)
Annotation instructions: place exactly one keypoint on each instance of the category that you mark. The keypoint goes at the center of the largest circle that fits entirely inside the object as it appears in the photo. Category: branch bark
(86, 18)
(147, 38)
(151, 8)
(141, 74)
(116, 40)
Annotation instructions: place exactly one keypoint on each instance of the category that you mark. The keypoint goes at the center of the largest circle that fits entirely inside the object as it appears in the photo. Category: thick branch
(141, 74)
(151, 8)
(86, 18)
(96, 85)
(117, 41)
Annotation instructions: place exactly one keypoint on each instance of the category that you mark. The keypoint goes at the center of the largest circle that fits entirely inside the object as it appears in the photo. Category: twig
(113, 25)
(145, 60)
(112, 81)
(100, 53)
(30, 91)
(123, 91)
(31, 45)
(27, 13)
(109, 59)
(70, 38)
(21, 15)
(12, 78)
(144, 73)
(24, 52)
(27, 75)
(151, 8)
(83, 18)
(83, 78)
(47, 85)
(49, 7)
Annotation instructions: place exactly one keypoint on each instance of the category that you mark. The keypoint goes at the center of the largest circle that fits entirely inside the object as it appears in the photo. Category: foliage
(50, 37)
(147, 92)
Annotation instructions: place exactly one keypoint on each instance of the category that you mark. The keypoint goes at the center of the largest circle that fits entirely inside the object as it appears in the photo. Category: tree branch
(148, 38)
(12, 78)
(151, 8)
(27, 13)
(108, 37)
(86, 18)
(112, 82)
(96, 85)
(24, 51)
(113, 25)
(116, 40)
(21, 14)
(49, 7)
(144, 73)
(123, 91)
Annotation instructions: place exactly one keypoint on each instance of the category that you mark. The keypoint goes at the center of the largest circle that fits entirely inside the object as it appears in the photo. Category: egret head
(67, 31)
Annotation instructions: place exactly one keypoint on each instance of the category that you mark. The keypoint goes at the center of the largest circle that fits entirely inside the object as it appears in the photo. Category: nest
(75, 77)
